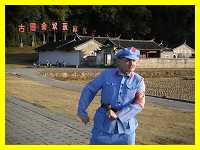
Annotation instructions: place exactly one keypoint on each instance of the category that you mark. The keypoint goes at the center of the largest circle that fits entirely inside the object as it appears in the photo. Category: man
(122, 97)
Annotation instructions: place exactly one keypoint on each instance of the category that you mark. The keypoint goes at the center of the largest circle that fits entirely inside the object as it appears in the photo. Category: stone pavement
(30, 124)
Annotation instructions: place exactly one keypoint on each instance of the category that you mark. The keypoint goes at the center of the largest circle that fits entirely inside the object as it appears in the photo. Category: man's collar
(118, 72)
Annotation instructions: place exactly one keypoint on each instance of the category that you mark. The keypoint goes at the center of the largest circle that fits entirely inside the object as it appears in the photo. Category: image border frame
(98, 2)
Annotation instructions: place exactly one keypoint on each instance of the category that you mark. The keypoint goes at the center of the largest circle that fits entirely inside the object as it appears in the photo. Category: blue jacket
(118, 90)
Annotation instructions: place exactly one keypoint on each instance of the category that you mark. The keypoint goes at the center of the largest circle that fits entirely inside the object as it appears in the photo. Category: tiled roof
(67, 45)
(182, 45)
(122, 43)
(139, 44)
(101, 40)
(72, 42)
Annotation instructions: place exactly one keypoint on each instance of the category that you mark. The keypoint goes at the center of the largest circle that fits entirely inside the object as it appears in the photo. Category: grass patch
(18, 50)
(20, 57)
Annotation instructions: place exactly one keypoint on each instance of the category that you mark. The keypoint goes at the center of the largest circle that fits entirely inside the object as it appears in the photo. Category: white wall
(166, 63)
(166, 55)
(69, 58)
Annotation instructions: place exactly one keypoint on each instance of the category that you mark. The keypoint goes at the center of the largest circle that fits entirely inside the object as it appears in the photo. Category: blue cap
(130, 53)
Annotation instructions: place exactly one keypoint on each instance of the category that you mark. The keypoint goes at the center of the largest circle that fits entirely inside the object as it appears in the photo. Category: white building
(167, 53)
(183, 51)
(68, 53)
(92, 50)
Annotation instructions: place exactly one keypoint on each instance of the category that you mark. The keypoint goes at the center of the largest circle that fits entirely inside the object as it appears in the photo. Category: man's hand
(85, 120)
(111, 115)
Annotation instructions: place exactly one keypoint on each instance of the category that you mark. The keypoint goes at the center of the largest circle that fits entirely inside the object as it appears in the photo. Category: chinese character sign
(75, 29)
(43, 26)
(21, 28)
(54, 26)
(64, 26)
(32, 27)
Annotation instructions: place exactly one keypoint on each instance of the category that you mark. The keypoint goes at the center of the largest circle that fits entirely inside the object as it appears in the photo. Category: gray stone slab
(29, 124)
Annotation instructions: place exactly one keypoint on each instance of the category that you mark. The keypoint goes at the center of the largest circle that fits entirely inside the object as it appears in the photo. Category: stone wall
(166, 63)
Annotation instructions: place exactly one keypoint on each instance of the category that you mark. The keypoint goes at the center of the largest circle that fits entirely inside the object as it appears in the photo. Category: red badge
(133, 49)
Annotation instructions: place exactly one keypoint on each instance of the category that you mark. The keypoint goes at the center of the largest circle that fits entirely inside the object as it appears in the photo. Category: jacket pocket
(109, 126)
(130, 125)
(130, 91)
(99, 118)
(109, 91)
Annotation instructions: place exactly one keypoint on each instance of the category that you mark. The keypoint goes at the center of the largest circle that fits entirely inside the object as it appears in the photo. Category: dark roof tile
(70, 43)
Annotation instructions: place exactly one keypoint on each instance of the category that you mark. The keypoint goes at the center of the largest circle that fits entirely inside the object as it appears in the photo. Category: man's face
(127, 65)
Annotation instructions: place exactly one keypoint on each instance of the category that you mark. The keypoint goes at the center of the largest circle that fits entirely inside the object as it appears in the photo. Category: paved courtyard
(29, 124)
